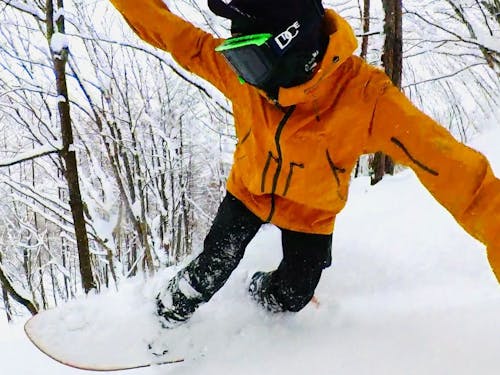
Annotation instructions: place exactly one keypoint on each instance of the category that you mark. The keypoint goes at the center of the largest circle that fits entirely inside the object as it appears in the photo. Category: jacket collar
(342, 43)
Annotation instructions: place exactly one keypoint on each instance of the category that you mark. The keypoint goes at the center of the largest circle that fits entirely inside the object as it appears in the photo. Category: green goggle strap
(243, 41)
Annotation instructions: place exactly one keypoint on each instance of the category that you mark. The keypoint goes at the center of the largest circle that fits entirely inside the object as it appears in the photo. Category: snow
(59, 13)
(409, 292)
(58, 42)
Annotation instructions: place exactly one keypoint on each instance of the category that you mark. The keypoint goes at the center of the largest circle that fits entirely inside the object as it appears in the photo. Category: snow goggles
(255, 57)
(252, 57)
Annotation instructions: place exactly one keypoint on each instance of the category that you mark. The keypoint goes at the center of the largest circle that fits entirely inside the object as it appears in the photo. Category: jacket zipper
(279, 159)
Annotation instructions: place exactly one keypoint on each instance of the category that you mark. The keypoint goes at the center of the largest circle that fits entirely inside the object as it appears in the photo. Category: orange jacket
(292, 166)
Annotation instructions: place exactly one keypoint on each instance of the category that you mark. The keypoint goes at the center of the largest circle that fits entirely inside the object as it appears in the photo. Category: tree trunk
(365, 22)
(60, 59)
(366, 28)
(16, 296)
(43, 295)
(392, 60)
(6, 303)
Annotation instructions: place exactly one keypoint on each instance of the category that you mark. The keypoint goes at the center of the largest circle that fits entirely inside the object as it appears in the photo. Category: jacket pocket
(288, 182)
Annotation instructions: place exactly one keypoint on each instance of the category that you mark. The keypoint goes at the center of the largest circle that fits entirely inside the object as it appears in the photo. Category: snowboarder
(305, 108)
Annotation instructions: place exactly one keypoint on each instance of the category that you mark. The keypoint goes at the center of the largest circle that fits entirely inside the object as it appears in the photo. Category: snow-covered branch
(489, 43)
(25, 8)
(202, 86)
(413, 84)
(30, 155)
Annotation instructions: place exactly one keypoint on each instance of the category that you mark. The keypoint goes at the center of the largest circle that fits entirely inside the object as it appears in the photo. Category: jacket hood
(341, 45)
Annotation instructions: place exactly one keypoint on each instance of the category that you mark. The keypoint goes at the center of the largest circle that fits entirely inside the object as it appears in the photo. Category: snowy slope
(408, 293)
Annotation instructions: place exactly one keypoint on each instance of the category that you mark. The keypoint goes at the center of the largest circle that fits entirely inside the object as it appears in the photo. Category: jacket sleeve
(191, 47)
(458, 177)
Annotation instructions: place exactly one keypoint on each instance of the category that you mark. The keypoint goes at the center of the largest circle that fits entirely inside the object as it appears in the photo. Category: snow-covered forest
(142, 148)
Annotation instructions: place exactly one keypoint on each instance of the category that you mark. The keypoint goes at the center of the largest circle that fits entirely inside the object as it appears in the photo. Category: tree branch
(448, 31)
(24, 9)
(160, 58)
(444, 76)
(22, 159)
(32, 308)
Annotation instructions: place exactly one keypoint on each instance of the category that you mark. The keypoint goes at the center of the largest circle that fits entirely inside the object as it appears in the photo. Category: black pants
(291, 285)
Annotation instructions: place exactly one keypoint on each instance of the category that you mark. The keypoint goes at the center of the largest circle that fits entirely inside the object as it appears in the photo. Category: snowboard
(109, 332)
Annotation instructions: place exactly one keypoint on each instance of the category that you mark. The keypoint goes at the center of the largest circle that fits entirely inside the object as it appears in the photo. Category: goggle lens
(249, 56)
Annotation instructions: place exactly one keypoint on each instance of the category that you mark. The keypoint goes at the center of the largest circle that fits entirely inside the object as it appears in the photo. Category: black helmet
(276, 17)
(264, 15)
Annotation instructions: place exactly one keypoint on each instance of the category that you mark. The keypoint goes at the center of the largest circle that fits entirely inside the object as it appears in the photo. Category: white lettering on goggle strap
(286, 37)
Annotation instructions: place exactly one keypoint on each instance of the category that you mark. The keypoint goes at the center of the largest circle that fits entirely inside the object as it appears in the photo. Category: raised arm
(191, 47)
(458, 177)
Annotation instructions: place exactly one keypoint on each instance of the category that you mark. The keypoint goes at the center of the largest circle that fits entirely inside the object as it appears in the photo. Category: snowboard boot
(177, 303)
(259, 290)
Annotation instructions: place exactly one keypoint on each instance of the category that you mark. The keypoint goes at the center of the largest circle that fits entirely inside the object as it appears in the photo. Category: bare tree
(477, 18)
(392, 60)
(365, 23)
(9, 288)
(456, 43)
(51, 21)
(56, 27)
(6, 303)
